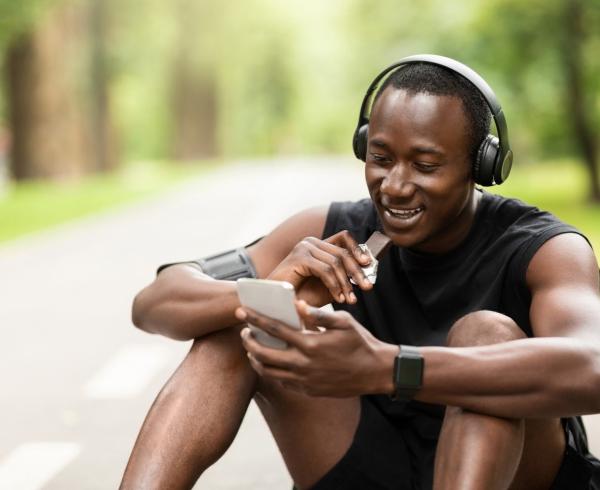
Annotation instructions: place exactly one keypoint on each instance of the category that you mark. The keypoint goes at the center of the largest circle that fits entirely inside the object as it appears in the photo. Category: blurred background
(124, 123)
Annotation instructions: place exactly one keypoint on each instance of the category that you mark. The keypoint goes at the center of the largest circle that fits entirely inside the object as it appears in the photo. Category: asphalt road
(77, 378)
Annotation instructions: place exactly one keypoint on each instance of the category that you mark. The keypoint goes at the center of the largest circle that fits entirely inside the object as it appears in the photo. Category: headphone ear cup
(359, 142)
(484, 168)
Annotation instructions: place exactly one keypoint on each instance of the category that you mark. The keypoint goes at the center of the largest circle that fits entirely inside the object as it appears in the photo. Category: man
(495, 303)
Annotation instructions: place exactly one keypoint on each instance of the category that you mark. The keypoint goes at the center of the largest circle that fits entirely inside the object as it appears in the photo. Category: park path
(77, 379)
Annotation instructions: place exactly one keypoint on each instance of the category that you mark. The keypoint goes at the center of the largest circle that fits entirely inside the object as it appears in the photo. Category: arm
(184, 303)
(557, 373)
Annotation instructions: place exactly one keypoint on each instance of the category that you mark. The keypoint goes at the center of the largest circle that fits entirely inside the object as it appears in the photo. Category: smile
(404, 213)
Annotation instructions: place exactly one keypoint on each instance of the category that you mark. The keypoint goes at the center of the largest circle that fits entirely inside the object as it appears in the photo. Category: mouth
(404, 213)
(402, 219)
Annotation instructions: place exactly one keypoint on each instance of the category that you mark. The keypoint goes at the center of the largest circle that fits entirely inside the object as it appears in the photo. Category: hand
(341, 361)
(319, 270)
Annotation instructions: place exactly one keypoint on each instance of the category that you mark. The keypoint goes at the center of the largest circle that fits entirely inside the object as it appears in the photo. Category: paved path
(77, 378)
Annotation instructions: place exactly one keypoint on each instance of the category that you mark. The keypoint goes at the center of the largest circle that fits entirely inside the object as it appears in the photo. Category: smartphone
(274, 299)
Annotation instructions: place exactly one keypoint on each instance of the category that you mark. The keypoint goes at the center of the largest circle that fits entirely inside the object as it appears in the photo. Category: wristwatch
(408, 373)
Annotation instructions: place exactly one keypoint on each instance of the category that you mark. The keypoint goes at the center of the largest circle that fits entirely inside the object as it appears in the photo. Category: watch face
(409, 374)
(408, 369)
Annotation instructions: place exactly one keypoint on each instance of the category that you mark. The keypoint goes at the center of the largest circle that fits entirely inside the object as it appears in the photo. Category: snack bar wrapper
(375, 247)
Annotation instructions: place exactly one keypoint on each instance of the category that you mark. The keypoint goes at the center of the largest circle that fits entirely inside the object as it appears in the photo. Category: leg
(478, 451)
(193, 420)
(312, 433)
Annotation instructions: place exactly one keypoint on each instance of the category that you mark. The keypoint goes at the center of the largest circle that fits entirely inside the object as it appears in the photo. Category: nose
(398, 182)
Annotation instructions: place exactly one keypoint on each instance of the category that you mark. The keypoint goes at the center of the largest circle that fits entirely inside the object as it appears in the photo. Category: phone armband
(226, 266)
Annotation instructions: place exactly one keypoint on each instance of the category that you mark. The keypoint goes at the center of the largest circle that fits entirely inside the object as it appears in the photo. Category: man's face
(418, 170)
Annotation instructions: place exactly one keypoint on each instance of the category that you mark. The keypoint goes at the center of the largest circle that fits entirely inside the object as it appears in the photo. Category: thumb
(318, 317)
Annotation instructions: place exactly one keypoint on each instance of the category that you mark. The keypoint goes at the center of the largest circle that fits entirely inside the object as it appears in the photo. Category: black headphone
(494, 156)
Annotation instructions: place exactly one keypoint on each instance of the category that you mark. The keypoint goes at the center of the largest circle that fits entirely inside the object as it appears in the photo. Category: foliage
(17, 16)
(290, 75)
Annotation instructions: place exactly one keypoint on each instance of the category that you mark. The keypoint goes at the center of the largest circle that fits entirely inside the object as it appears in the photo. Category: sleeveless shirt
(418, 297)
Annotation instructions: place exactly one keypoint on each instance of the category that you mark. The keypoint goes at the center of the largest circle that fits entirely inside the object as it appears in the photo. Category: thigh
(543, 454)
(312, 433)
(372, 454)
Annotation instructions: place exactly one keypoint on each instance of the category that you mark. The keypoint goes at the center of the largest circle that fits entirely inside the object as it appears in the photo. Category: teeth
(405, 213)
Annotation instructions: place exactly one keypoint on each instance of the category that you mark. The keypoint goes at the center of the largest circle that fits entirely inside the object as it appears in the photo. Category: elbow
(142, 312)
(139, 313)
(595, 391)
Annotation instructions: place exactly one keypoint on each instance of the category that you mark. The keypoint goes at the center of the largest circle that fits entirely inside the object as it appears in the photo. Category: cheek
(373, 178)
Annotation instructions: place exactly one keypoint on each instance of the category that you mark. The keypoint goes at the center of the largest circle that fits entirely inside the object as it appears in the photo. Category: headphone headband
(467, 73)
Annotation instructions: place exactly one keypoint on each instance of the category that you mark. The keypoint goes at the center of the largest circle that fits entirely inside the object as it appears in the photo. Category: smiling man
(464, 367)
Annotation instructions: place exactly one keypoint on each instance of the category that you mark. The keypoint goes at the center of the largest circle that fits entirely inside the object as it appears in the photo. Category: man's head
(438, 80)
(424, 131)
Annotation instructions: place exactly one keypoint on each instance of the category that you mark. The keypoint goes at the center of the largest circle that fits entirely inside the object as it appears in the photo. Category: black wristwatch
(408, 373)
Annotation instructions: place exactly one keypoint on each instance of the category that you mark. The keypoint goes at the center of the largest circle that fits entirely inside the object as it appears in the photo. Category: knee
(483, 328)
(223, 350)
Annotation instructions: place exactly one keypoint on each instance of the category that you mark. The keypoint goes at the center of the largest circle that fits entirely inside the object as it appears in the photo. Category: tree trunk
(103, 140)
(47, 130)
(576, 110)
(194, 91)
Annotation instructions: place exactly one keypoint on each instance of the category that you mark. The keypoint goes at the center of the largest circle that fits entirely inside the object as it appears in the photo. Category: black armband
(227, 266)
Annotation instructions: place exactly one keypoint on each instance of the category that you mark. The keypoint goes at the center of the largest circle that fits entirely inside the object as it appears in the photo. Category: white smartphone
(274, 299)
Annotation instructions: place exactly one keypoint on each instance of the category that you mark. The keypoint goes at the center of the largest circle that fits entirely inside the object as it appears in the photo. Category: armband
(227, 266)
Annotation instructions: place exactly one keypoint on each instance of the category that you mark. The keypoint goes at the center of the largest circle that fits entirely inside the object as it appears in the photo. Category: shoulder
(564, 259)
(521, 229)
(358, 217)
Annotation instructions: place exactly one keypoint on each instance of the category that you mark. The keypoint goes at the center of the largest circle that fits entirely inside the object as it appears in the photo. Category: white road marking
(128, 373)
(31, 465)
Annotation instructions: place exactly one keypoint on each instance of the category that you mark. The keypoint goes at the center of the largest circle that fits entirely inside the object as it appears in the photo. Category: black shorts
(384, 456)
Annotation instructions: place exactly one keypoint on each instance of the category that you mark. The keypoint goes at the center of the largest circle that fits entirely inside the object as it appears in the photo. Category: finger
(346, 240)
(346, 265)
(322, 270)
(336, 267)
(279, 358)
(240, 314)
(339, 320)
(273, 327)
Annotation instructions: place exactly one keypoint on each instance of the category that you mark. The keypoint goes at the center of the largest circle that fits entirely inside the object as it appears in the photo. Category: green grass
(559, 187)
(31, 206)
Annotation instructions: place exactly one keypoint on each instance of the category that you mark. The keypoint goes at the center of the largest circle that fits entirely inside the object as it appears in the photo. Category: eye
(379, 158)
(426, 167)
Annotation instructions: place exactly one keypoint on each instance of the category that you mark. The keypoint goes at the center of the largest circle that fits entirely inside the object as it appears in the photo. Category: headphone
(494, 156)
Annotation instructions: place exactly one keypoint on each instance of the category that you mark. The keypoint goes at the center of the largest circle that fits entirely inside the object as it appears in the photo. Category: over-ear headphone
(494, 156)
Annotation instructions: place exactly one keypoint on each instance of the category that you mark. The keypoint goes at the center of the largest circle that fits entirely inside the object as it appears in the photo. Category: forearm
(184, 304)
(538, 377)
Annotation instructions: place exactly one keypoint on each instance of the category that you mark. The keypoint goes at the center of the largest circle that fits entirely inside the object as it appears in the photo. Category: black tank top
(418, 297)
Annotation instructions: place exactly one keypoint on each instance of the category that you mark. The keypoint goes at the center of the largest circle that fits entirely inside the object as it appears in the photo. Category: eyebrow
(427, 149)
(415, 149)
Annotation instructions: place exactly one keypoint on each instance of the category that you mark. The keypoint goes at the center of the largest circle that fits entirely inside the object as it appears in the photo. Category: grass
(561, 188)
(31, 206)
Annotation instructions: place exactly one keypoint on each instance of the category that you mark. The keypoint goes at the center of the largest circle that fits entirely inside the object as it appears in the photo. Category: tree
(45, 122)
(545, 53)
(56, 85)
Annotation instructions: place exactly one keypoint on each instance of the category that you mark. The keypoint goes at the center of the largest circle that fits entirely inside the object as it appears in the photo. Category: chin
(403, 240)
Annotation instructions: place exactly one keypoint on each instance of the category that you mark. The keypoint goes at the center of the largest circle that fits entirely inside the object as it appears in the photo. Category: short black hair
(433, 79)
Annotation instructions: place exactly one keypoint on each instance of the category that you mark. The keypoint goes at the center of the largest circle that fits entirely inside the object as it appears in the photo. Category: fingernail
(240, 314)
(341, 298)
(353, 298)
